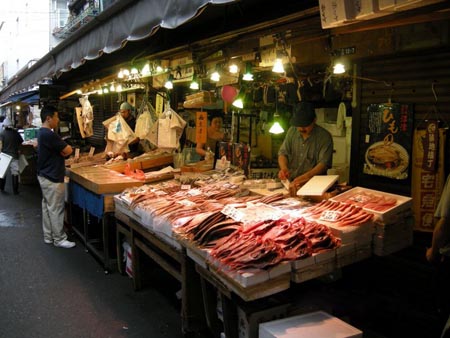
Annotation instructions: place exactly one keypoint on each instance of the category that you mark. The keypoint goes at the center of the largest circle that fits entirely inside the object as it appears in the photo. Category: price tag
(186, 203)
(194, 192)
(233, 213)
(360, 198)
(77, 153)
(185, 187)
(330, 215)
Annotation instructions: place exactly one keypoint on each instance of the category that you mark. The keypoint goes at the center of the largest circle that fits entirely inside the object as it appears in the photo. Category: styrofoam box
(403, 202)
(317, 324)
(248, 320)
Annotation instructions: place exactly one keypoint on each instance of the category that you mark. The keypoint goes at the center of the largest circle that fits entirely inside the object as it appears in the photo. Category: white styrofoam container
(403, 202)
(317, 324)
(248, 322)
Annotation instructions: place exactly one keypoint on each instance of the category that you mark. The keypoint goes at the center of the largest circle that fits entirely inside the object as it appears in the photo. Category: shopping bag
(5, 161)
(23, 163)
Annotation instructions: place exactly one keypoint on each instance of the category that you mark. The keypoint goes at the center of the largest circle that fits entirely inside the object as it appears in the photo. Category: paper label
(233, 213)
(330, 215)
(77, 153)
(185, 187)
(194, 192)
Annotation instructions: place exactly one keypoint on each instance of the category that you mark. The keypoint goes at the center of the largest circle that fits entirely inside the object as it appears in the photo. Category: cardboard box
(317, 324)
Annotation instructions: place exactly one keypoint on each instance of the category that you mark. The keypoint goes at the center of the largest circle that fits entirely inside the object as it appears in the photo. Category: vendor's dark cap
(303, 115)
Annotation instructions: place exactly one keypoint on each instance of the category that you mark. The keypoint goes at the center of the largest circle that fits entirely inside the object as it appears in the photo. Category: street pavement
(49, 292)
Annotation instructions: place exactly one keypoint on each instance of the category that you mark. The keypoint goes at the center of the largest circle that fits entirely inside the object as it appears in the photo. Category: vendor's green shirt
(303, 155)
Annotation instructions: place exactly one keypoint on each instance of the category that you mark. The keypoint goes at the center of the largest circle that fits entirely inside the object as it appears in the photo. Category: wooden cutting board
(318, 185)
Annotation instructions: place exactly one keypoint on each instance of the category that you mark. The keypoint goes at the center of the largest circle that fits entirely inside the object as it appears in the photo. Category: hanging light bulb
(134, 71)
(119, 88)
(112, 88)
(146, 69)
(233, 68)
(338, 68)
(276, 128)
(169, 82)
(248, 76)
(194, 84)
(105, 90)
(278, 65)
(215, 76)
(126, 73)
(238, 103)
(120, 75)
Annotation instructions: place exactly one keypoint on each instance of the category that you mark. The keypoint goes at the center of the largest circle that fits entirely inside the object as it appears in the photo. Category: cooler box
(311, 325)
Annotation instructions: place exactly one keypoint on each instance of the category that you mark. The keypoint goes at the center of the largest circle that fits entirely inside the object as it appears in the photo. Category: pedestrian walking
(10, 142)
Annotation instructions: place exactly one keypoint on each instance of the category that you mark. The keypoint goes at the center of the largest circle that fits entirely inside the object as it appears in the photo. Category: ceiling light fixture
(169, 82)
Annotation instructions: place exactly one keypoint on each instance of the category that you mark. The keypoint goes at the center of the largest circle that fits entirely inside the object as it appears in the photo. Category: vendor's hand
(431, 256)
(300, 181)
(283, 174)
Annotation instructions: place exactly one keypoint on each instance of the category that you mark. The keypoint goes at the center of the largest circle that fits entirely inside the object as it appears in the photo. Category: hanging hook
(390, 93)
(434, 92)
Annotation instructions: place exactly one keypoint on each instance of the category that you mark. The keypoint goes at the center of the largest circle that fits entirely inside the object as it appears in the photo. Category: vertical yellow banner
(201, 126)
(426, 185)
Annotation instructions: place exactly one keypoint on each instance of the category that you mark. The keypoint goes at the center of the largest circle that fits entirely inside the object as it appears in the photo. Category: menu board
(388, 140)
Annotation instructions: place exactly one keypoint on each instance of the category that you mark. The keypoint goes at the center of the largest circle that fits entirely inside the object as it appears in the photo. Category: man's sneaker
(64, 244)
(48, 241)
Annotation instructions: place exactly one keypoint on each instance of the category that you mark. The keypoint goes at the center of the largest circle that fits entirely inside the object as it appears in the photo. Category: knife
(285, 184)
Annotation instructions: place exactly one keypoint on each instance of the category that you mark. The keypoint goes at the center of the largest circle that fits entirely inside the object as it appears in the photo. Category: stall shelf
(91, 203)
(91, 206)
(178, 255)
(172, 259)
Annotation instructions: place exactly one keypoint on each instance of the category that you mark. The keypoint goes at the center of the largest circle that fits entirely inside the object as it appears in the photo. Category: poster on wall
(388, 140)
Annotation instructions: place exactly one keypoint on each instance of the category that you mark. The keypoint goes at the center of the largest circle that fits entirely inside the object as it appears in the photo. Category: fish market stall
(247, 247)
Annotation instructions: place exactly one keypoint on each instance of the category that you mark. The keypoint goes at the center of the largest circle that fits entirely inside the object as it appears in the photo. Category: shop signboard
(427, 174)
(388, 140)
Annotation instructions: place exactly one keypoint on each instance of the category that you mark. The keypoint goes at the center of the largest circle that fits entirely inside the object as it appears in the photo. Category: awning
(127, 20)
(33, 99)
(23, 97)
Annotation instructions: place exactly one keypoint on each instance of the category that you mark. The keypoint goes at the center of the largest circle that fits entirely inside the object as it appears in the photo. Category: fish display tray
(389, 215)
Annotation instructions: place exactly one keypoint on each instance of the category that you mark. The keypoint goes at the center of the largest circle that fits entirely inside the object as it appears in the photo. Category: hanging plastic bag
(170, 128)
(144, 124)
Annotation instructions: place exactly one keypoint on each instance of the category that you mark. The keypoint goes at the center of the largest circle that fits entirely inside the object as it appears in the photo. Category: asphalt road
(52, 292)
